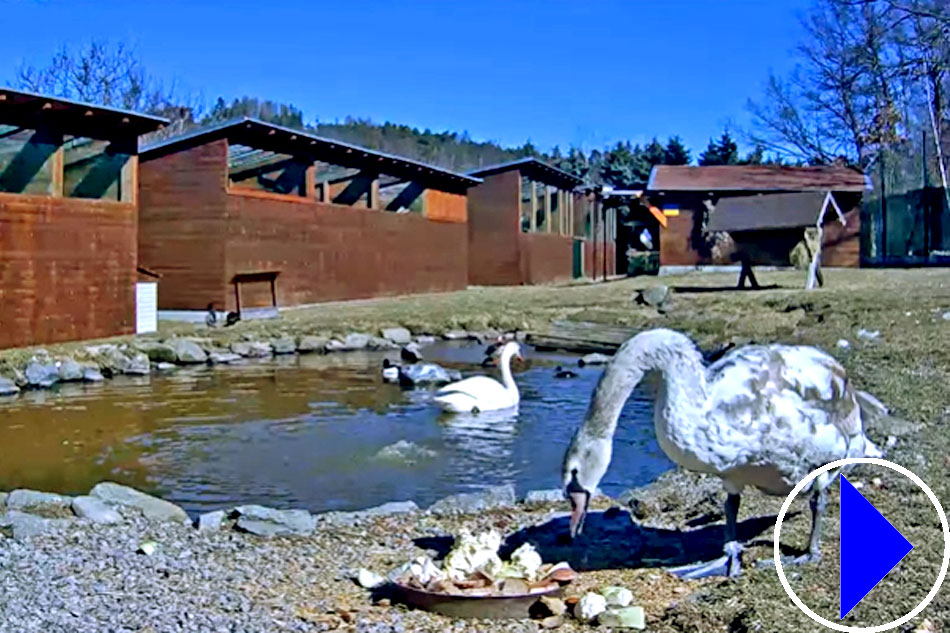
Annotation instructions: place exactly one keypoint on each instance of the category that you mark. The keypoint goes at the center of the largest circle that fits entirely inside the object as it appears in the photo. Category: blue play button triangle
(870, 547)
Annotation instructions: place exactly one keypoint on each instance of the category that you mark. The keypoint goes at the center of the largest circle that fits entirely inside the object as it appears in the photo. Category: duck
(481, 393)
(560, 372)
(763, 416)
(390, 371)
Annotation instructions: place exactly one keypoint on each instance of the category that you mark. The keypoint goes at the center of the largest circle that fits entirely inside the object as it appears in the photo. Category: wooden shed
(762, 210)
(531, 223)
(68, 218)
(252, 216)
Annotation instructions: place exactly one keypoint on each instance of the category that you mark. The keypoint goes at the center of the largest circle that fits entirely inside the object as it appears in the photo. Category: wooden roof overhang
(44, 113)
(310, 148)
(534, 169)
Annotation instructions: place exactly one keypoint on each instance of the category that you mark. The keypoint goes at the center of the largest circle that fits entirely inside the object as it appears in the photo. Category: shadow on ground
(611, 540)
(702, 289)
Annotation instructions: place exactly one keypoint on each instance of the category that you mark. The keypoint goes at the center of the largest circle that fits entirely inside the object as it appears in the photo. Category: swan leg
(730, 563)
(817, 504)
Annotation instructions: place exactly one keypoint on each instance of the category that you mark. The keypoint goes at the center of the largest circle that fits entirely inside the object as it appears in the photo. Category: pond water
(307, 432)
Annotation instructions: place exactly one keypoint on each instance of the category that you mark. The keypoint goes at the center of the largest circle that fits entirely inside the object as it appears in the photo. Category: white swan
(762, 416)
(481, 393)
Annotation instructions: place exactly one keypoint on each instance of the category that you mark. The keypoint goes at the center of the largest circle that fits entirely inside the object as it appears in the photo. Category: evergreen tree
(721, 152)
(675, 153)
(654, 153)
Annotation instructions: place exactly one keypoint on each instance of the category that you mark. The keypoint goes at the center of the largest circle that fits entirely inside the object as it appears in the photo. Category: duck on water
(762, 416)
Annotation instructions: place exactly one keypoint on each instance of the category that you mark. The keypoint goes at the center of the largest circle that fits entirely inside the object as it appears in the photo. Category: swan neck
(507, 378)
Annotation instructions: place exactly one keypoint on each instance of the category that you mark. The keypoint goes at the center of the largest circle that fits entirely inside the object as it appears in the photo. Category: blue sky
(585, 73)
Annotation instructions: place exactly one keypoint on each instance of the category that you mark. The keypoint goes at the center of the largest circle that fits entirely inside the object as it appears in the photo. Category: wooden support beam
(534, 206)
(547, 207)
(57, 171)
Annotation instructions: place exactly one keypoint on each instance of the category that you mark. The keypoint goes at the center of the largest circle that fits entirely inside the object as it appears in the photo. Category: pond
(310, 432)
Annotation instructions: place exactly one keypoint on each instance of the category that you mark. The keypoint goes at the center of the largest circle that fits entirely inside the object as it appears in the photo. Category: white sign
(146, 307)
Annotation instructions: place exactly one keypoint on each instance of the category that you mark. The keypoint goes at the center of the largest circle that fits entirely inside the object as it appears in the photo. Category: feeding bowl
(493, 606)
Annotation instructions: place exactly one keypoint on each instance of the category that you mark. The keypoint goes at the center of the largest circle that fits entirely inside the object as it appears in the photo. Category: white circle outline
(838, 464)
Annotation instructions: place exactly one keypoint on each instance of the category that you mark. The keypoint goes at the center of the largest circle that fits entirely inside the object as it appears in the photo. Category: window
(26, 161)
(261, 170)
(94, 169)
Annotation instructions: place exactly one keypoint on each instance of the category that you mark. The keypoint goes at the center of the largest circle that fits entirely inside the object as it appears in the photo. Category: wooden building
(714, 213)
(249, 215)
(531, 223)
(68, 209)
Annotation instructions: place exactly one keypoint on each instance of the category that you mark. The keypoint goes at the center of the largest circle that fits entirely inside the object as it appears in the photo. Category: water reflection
(305, 432)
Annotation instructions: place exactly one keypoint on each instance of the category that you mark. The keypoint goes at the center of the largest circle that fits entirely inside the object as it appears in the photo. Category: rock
(91, 374)
(165, 366)
(34, 501)
(270, 522)
(311, 344)
(121, 362)
(425, 339)
(284, 345)
(590, 606)
(354, 341)
(868, 335)
(397, 335)
(625, 618)
(152, 507)
(95, 510)
(158, 352)
(488, 336)
(70, 371)
(40, 374)
(843, 343)
(25, 525)
(617, 596)
(377, 343)
(945, 316)
(552, 621)
(223, 358)
(593, 359)
(147, 547)
(252, 349)
(553, 606)
(657, 296)
(427, 374)
(472, 502)
(553, 495)
(368, 579)
(3, 501)
(387, 509)
(334, 345)
(456, 335)
(8, 387)
(211, 521)
(187, 352)
(406, 452)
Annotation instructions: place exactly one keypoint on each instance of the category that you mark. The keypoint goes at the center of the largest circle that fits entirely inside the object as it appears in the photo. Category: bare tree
(111, 75)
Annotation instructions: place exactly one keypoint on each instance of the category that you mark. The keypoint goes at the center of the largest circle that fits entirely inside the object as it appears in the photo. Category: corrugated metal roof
(534, 167)
(756, 178)
(767, 211)
(18, 106)
(267, 136)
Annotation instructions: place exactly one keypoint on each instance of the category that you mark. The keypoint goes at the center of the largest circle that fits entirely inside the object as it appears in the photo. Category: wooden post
(547, 207)
(57, 168)
(372, 195)
(273, 290)
(237, 296)
(533, 222)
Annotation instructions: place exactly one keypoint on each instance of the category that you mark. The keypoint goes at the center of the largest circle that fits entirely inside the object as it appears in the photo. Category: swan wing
(478, 387)
(790, 408)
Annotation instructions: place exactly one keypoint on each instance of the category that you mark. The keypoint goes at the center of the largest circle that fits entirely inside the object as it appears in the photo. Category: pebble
(843, 343)
(368, 579)
(590, 606)
(211, 521)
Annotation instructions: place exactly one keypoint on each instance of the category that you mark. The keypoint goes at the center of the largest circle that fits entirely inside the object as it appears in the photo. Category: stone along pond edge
(143, 356)
(25, 513)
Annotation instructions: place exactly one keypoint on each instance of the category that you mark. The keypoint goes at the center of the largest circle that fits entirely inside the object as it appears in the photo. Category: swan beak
(520, 357)
(579, 501)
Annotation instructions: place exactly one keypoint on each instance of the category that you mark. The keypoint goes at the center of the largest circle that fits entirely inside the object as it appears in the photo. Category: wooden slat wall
(546, 257)
(327, 252)
(494, 230)
(67, 269)
(182, 226)
(443, 206)
(594, 259)
(841, 245)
